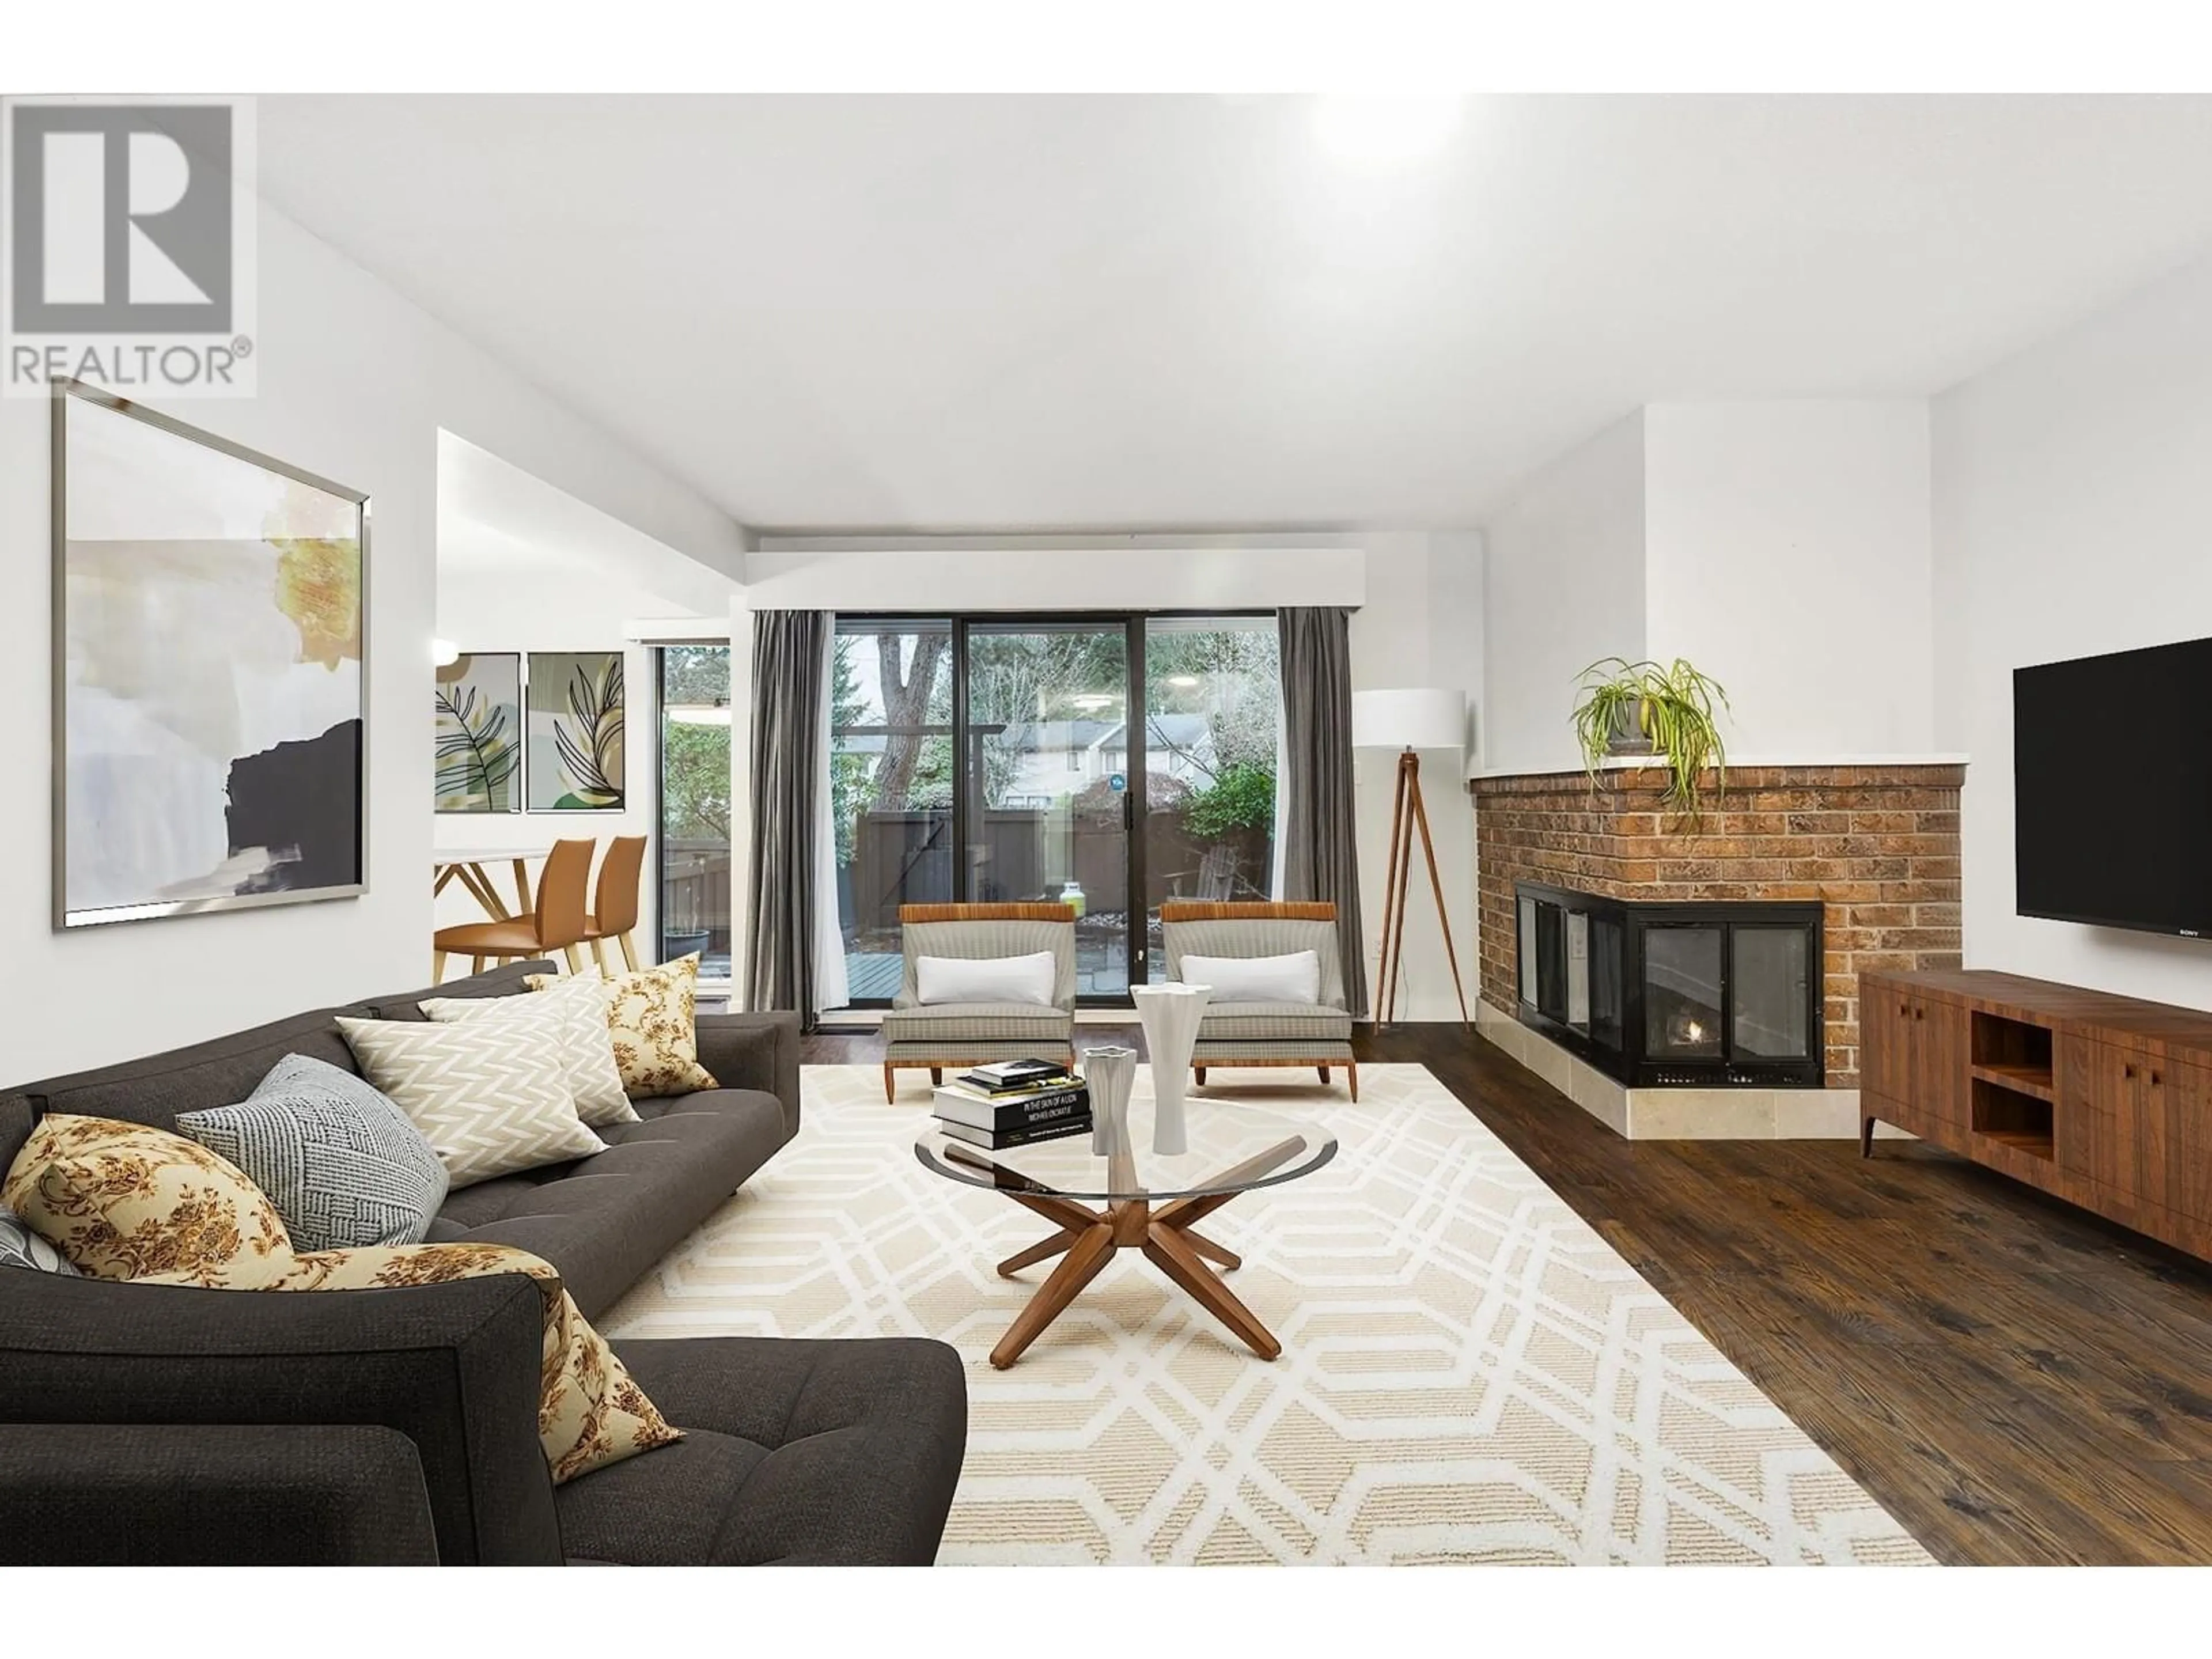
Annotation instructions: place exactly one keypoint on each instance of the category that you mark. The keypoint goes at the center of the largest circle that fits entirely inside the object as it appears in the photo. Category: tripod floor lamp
(1409, 721)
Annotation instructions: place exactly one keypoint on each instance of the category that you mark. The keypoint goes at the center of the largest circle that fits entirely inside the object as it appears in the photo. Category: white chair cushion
(984, 978)
(1294, 978)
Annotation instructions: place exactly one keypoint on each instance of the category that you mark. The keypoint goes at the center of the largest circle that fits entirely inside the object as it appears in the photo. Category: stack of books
(1014, 1103)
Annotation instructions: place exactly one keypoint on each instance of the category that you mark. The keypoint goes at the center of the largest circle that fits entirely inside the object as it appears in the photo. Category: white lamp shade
(1409, 720)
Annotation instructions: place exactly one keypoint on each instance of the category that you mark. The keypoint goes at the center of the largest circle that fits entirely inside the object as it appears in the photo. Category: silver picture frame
(69, 393)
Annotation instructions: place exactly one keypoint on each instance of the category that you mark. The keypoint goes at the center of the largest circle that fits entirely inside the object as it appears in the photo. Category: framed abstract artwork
(208, 692)
(574, 759)
(479, 734)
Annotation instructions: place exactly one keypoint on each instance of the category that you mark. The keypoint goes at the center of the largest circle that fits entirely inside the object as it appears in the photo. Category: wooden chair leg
(1323, 1070)
(437, 967)
(629, 952)
(600, 955)
(1351, 1078)
(1200, 1073)
(575, 962)
(475, 964)
(891, 1085)
(936, 1075)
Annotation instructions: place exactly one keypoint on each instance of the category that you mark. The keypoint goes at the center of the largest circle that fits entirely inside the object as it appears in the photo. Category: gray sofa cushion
(158, 1089)
(952, 1021)
(1274, 1022)
(507, 981)
(799, 1452)
(604, 1220)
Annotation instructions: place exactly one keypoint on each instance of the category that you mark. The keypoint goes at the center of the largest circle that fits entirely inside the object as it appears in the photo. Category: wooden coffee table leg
(1202, 1245)
(1060, 1212)
(1043, 1248)
(1084, 1260)
(1167, 1248)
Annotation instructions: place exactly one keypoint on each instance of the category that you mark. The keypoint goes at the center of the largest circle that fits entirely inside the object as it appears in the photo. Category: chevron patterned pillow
(586, 1054)
(491, 1095)
(342, 1163)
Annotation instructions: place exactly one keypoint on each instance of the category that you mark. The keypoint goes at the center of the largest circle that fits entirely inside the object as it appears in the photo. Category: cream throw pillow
(594, 1081)
(651, 1017)
(985, 979)
(491, 1096)
(126, 1200)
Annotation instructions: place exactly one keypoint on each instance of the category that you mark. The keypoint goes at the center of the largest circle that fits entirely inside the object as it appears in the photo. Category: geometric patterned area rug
(1469, 1372)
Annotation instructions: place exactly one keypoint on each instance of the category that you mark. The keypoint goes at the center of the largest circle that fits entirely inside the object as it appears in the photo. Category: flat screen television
(2112, 789)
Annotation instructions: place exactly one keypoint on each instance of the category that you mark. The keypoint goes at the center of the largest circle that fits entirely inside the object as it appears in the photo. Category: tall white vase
(1170, 1014)
(1109, 1071)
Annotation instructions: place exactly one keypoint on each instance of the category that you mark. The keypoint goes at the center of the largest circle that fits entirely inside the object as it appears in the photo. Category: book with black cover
(959, 1106)
(1007, 1076)
(1003, 1140)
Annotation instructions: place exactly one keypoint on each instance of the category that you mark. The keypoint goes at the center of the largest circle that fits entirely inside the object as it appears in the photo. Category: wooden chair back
(616, 905)
(562, 892)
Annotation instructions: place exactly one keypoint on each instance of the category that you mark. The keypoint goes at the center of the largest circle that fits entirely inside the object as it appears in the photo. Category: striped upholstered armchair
(1233, 1033)
(938, 1035)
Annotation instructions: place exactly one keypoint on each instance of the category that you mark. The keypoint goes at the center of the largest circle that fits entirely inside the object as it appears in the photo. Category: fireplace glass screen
(1668, 993)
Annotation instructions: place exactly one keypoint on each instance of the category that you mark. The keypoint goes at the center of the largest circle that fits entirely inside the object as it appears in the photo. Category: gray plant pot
(1628, 736)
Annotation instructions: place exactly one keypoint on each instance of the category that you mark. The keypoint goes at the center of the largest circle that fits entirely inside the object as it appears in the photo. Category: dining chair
(556, 923)
(614, 909)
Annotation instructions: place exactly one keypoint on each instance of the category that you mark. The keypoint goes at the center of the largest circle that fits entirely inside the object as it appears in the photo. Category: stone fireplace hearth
(1876, 846)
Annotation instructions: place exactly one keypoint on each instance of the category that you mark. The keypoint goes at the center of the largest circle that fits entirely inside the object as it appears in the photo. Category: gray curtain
(791, 653)
(1320, 860)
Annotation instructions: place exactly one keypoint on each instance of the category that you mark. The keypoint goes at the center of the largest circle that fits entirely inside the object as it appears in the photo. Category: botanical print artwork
(479, 742)
(575, 732)
(209, 674)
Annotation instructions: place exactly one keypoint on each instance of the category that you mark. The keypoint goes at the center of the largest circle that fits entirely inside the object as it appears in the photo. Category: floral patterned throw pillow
(591, 1413)
(126, 1200)
(651, 1016)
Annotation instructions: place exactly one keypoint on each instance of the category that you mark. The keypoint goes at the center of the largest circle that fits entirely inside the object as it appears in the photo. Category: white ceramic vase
(1109, 1070)
(1170, 1014)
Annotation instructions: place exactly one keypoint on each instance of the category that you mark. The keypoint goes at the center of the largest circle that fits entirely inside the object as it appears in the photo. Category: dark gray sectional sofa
(156, 1424)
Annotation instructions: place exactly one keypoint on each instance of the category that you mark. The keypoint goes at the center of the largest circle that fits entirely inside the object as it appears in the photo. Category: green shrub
(1241, 798)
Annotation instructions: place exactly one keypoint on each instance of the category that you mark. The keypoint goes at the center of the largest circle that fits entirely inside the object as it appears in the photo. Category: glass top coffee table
(1146, 1202)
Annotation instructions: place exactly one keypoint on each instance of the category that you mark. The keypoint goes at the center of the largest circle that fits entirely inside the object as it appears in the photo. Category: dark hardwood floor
(2016, 1381)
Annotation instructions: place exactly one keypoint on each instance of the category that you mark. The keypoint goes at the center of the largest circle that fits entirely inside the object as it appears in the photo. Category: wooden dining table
(472, 867)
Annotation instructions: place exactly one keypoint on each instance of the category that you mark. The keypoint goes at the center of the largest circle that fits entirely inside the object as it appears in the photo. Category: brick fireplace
(1876, 845)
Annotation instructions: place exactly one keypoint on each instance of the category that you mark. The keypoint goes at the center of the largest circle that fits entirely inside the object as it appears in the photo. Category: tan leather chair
(556, 924)
(614, 910)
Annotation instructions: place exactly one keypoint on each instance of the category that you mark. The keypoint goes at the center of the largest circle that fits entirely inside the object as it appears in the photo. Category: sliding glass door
(1049, 780)
(891, 787)
(694, 806)
(1213, 722)
(1082, 759)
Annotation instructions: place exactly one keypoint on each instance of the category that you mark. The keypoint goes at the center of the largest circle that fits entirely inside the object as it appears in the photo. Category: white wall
(1422, 626)
(355, 383)
(1787, 555)
(1564, 586)
(2073, 513)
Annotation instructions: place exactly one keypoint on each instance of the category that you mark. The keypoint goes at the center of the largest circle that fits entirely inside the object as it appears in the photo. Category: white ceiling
(1084, 312)
(499, 523)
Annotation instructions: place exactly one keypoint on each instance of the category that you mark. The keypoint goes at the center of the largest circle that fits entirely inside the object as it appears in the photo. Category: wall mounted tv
(2112, 789)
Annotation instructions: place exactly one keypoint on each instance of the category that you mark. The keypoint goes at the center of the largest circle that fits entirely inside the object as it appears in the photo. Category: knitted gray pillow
(21, 1247)
(340, 1161)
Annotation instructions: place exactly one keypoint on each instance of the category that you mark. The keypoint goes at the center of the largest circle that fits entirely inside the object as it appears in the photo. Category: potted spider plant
(1668, 711)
